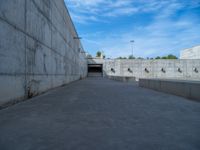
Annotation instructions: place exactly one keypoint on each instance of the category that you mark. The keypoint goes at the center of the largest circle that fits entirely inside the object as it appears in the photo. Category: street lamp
(77, 38)
(132, 42)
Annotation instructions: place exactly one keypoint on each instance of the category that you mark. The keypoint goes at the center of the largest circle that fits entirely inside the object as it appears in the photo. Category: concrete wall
(172, 69)
(37, 48)
(187, 89)
(191, 53)
(122, 79)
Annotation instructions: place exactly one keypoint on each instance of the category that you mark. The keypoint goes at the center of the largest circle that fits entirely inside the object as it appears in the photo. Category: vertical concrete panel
(191, 65)
(146, 68)
(125, 65)
(194, 91)
(39, 58)
(11, 88)
(177, 88)
(37, 84)
(58, 43)
(137, 68)
(12, 50)
(12, 66)
(38, 23)
(38, 52)
(13, 12)
(179, 69)
(44, 6)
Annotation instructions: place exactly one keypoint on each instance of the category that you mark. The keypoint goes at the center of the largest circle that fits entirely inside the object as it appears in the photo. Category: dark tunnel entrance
(95, 70)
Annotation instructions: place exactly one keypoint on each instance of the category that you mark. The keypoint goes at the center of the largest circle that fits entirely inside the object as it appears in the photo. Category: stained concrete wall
(37, 48)
(167, 69)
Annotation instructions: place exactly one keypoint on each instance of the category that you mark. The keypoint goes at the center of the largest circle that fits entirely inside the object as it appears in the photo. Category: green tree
(131, 57)
(164, 57)
(140, 58)
(98, 54)
(170, 56)
(121, 57)
(158, 57)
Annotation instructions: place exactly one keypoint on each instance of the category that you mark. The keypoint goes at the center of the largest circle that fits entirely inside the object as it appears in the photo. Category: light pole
(77, 38)
(132, 42)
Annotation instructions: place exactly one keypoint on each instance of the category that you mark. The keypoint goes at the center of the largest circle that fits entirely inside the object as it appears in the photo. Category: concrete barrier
(122, 79)
(174, 69)
(187, 89)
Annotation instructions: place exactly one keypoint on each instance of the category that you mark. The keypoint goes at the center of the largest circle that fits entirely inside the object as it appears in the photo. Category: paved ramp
(101, 114)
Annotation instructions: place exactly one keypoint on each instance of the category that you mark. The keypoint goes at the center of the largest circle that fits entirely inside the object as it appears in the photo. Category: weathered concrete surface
(167, 69)
(187, 89)
(101, 114)
(37, 48)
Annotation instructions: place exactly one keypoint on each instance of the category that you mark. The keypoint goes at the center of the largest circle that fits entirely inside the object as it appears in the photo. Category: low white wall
(122, 79)
(187, 89)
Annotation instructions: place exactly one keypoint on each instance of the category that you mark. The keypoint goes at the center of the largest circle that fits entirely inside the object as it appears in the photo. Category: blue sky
(158, 27)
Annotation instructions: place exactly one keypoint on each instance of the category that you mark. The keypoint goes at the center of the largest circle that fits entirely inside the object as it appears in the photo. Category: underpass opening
(95, 70)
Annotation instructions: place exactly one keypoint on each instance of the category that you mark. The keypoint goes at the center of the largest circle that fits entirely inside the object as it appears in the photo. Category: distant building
(191, 53)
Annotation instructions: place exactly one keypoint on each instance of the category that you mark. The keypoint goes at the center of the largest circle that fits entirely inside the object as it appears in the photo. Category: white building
(191, 53)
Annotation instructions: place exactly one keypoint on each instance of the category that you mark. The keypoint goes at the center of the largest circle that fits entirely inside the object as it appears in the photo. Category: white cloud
(155, 39)
(87, 9)
(84, 9)
(105, 6)
(84, 19)
(121, 11)
(162, 36)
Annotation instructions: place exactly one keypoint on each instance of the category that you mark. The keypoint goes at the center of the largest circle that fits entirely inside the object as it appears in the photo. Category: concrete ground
(100, 114)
